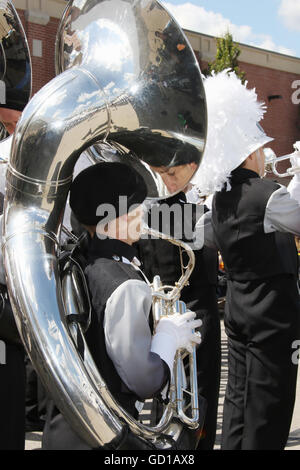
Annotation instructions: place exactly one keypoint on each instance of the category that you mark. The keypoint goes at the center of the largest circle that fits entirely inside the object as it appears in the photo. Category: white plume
(233, 132)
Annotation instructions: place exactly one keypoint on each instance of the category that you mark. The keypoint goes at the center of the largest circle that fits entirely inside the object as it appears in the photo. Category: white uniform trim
(283, 210)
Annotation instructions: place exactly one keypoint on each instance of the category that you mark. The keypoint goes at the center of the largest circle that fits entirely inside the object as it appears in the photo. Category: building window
(37, 48)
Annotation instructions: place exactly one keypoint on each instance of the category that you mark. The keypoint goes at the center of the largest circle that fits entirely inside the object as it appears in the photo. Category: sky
(271, 24)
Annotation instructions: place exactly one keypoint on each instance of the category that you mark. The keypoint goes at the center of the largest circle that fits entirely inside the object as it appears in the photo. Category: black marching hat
(105, 183)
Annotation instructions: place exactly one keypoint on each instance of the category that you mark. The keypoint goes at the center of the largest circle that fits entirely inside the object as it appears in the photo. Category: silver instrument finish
(15, 65)
(271, 162)
(15, 61)
(166, 302)
(139, 78)
(118, 85)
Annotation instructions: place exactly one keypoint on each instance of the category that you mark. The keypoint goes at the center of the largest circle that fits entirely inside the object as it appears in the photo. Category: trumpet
(271, 162)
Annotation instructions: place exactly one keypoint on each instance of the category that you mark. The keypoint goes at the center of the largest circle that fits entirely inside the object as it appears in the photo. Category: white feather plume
(233, 132)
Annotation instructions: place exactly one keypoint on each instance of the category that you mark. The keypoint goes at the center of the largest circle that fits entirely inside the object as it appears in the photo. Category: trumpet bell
(271, 162)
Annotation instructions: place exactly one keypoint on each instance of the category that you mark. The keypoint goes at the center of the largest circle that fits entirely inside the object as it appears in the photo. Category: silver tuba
(121, 81)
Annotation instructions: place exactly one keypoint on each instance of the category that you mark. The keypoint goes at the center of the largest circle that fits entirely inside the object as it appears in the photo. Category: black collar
(241, 174)
(110, 248)
(179, 197)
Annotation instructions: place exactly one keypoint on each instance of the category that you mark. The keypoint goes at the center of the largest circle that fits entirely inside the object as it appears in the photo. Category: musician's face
(9, 119)
(176, 178)
(127, 228)
(135, 224)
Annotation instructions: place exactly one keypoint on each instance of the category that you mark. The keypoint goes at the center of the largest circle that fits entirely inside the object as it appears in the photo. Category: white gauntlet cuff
(164, 345)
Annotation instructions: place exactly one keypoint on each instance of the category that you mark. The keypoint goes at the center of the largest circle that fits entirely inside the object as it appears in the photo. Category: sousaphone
(127, 78)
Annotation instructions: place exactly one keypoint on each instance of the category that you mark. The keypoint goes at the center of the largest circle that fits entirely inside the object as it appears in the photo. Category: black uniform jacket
(262, 267)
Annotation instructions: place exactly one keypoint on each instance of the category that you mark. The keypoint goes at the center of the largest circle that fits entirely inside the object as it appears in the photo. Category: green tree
(226, 57)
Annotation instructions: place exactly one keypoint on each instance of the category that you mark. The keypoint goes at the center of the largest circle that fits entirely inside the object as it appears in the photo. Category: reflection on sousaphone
(165, 173)
(138, 73)
(15, 68)
(15, 75)
(115, 86)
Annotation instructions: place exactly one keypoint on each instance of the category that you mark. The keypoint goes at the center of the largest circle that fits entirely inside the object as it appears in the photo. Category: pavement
(33, 439)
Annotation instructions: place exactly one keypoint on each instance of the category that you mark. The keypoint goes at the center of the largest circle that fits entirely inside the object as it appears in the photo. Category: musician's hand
(174, 332)
(295, 161)
(181, 327)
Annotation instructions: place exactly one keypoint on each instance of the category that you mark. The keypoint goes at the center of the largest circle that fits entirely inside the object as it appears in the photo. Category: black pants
(262, 376)
(35, 401)
(58, 434)
(12, 399)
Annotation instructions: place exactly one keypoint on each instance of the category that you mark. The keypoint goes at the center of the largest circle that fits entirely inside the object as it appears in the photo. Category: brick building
(272, 74)
(40, 20)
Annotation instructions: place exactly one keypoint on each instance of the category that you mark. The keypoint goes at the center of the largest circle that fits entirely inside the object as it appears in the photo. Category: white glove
(174, 332)
(295, 160)
(180, 327)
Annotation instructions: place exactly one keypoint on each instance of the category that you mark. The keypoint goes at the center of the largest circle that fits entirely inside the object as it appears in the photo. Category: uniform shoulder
(105, 275)
(270, 183)
(261, 188)
(109, 269)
